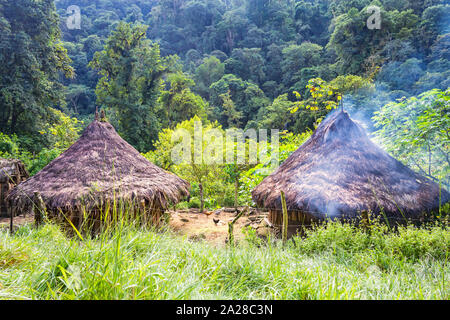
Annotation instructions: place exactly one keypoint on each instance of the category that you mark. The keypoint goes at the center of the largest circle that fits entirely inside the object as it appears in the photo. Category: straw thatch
(339, 172)
(12, 172)
(99, 168)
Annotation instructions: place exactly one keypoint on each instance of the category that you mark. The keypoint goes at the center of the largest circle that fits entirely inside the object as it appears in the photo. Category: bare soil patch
(211, 226)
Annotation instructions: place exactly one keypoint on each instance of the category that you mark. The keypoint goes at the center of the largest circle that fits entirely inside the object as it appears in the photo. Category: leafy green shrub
(43, 158)
(61, 134)
(194, 203)
(289, 142)
(251, 237)
(183, 205)
(8, 145)
(416, 131)
(411, 243)
(333, 236)
(416, 243)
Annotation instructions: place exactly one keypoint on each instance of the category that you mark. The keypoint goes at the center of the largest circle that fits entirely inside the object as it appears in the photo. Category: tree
(359, 49)
(278, 114)
(80, 98)
(179, 103)
(322, 97)
(273, 66)
(417, 132)
(64, 132)
(210, 71)
(299, 57)
(402, 76)
(229, 111)
(131, 70)
(60, 134)
(247, 63)
(179, 151)
(312, 20)
(257, 11)
(241, 163)
(434, 22)
(247, 97)
(31, 60)
(250, 178)
(231, 29)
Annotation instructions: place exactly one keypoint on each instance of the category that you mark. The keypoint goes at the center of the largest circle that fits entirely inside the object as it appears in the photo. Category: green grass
(333, 262)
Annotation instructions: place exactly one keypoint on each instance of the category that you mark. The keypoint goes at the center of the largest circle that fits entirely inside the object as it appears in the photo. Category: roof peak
(339, 125)
(101, 117)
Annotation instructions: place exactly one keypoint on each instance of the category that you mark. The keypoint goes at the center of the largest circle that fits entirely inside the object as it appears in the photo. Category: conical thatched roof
(100, 167)
(339, 172)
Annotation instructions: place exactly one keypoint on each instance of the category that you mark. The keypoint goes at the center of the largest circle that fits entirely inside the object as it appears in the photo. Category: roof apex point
(103, 116)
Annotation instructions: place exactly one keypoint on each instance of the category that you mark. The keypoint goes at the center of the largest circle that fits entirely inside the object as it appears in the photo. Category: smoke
(362, 106)
(350, 172)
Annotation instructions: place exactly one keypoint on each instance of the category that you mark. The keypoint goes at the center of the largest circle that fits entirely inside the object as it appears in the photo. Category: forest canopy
(256, 51)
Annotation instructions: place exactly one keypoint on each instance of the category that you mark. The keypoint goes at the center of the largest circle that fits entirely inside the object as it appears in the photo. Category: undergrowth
(332, 261)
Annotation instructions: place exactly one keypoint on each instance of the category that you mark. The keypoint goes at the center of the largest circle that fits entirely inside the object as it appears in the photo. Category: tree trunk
(12, 126)
(39, 209)
(201, 198)
(285, 218)
(4, 117)
(236, 187)
(231, 225)
(11, 217)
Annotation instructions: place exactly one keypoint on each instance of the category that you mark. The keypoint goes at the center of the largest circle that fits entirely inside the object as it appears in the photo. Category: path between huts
(211, 226)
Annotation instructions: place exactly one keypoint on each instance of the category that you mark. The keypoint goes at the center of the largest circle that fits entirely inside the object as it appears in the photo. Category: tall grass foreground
(134, 261)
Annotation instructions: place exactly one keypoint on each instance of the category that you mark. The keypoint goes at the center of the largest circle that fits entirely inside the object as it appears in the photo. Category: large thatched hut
(340, 173)
(100, 171)
(12, 172)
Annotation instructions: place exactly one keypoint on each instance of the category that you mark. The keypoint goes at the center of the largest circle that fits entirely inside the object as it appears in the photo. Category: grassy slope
(338, 262)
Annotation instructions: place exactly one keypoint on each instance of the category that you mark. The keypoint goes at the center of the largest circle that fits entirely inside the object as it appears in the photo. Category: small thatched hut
(12, 172)
(99, 170)
(340, 173)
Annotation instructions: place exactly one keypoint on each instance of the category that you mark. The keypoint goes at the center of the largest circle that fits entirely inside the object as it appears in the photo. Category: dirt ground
(18, 221)
(211, 226)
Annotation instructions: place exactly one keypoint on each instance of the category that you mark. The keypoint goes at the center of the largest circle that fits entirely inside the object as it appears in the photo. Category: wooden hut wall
(11, 174)
(6, 184)
(295, 218)
(95, 218)
(4, 189)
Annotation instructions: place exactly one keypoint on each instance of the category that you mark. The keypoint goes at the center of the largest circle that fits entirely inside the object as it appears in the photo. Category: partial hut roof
(339, 172)
(11, 169)
(100, 166)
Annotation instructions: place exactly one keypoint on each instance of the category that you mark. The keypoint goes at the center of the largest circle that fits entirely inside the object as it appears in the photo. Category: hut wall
(297, 220)
(94, 220)
(4, 189)
(11, 174)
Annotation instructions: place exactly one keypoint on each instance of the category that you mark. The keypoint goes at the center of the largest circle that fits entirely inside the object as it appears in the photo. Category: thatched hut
(12, 172)
(340, 173)
(100, 171)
